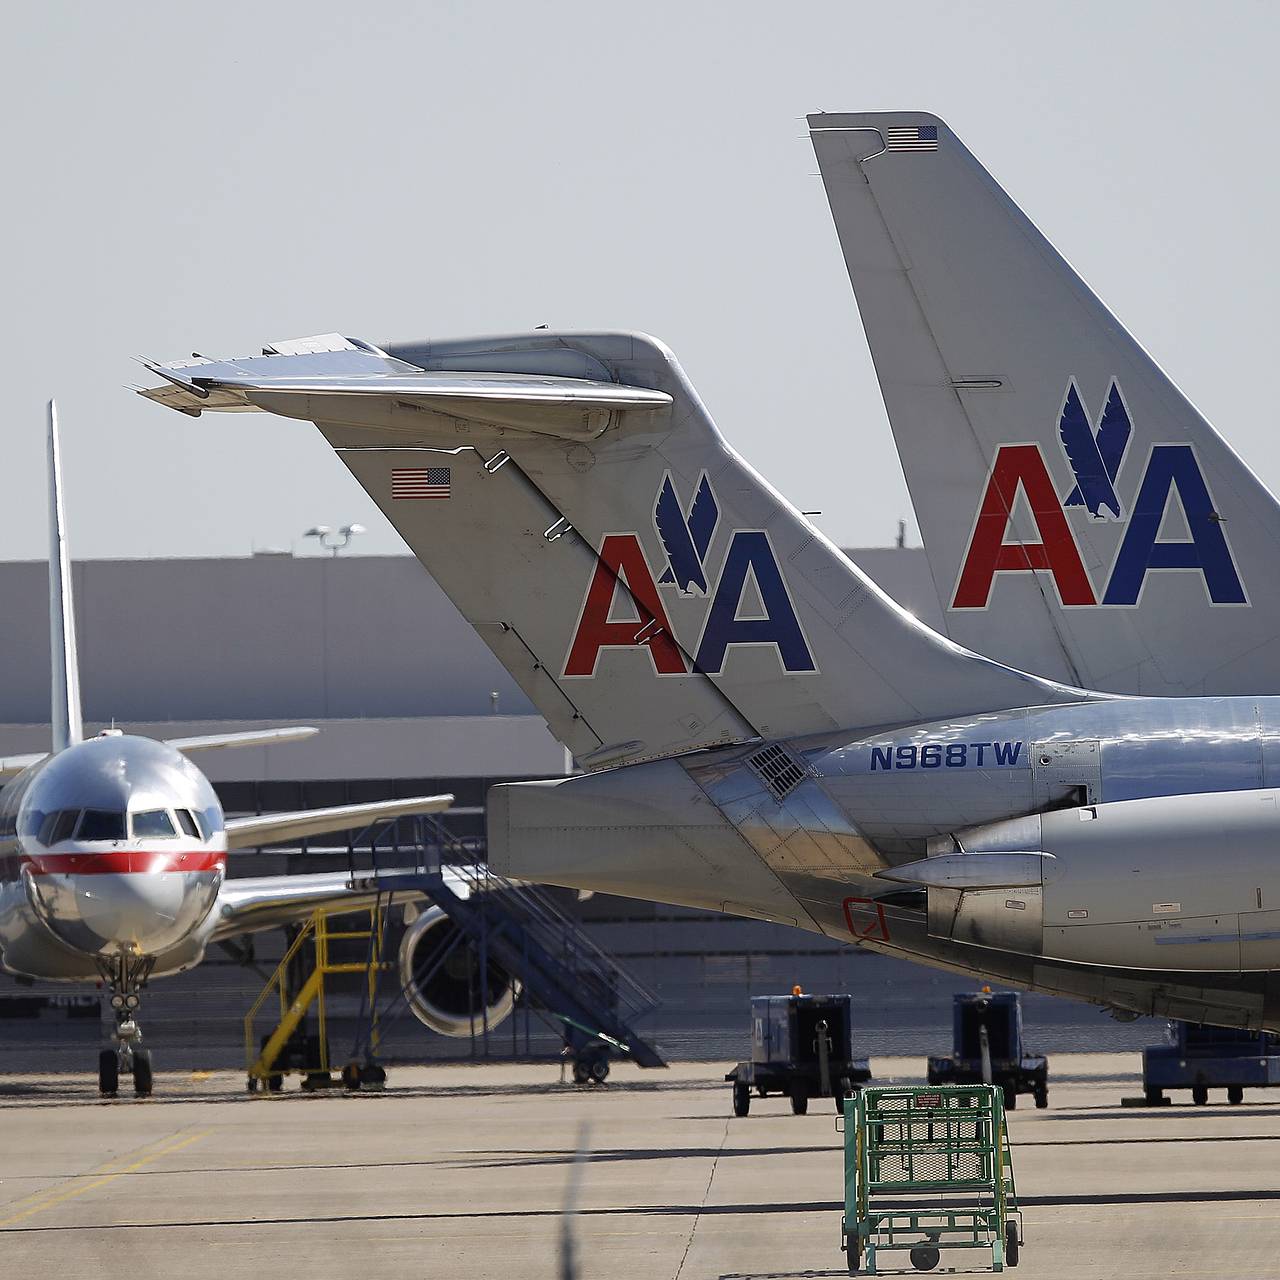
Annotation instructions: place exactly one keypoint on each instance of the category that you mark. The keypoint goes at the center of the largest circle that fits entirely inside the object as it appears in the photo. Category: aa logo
(748, 602)
(1095, 450)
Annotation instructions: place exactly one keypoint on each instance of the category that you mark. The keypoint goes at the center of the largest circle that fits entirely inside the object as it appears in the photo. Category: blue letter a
(750, 553)
(1173, 465)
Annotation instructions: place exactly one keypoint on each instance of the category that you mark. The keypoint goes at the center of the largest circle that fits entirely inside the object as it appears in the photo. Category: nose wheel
(125, 977)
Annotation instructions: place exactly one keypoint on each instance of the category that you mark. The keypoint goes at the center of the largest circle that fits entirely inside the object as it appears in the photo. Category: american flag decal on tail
(420, 482)
(912, 137)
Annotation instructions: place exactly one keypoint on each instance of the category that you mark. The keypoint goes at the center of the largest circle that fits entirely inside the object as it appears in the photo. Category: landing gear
(125, 976)
(108, 1073)
(142, 1072)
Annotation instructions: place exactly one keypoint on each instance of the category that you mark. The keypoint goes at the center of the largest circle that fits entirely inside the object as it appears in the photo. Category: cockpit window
(31, 823)
(210, 820)
(151, 824)
(187, 822)
(58, 826)
(101, 824)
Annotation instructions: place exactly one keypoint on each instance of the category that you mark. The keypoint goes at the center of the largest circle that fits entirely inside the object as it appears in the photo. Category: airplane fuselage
(1162, 893)
(114, 846)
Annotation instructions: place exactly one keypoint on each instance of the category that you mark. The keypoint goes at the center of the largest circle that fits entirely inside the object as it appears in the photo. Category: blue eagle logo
(1095, 456)
(686, 537)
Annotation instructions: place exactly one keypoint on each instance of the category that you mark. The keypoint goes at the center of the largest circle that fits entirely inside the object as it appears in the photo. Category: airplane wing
(9, 765)
(314, 383)
(265, 828)
(254, 903)
(251, 738)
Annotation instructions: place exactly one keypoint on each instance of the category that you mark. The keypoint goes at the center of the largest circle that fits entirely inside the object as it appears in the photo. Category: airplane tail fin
(68, 727)
(648, 590)
(1080, 517)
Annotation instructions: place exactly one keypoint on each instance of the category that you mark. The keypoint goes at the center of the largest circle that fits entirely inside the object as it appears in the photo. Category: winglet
(65, 668)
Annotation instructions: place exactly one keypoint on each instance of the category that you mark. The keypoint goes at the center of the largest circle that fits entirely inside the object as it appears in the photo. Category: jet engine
(440, 974)
(1162, 883)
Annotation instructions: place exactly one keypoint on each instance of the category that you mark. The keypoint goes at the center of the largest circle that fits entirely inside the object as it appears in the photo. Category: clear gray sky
(211, 176)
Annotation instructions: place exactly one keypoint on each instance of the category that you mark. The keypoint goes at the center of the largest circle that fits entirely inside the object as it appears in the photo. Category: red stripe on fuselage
(115, 862)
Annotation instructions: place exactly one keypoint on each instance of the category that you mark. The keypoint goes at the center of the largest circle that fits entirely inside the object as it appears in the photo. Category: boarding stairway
(513, 930)
(520, 928)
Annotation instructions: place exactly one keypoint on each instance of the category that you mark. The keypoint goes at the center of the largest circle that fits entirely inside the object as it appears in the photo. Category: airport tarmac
(461, 1171)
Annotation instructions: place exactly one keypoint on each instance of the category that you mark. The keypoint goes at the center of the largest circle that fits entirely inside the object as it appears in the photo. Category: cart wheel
(1011, 1244)
(1010, 1097)
(1042, 1096)
(275, 1083)
(799, 1102)
(853, 1253)
(1235, 1093)
(840, 1095)
(1200, 1094)
(1154, 1097)
(925, 1257)
(741, 1099)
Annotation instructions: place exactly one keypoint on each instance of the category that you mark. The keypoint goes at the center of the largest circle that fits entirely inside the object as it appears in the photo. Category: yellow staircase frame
(261, 1065)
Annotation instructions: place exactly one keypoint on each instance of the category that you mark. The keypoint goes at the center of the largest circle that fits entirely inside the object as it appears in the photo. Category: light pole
(334, 540)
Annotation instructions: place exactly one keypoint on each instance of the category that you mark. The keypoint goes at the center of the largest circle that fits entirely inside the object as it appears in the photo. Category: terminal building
(409, 701)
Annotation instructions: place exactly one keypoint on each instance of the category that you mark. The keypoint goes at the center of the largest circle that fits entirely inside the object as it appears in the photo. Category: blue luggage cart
(801, 1047)
(1203, 1058)
(987, 1048)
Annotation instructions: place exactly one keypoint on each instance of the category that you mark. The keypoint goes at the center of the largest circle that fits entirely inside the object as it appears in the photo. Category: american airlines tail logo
(1095, 451)
(748, 600)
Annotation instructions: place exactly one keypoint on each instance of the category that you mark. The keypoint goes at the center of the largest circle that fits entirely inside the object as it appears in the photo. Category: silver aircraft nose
(108, 913)
(137, 912)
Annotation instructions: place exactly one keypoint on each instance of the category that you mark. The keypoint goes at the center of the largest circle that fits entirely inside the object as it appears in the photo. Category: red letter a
(989, 554)
(622, 563)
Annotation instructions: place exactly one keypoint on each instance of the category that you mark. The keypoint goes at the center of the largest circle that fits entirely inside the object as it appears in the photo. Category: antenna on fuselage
(65, 669)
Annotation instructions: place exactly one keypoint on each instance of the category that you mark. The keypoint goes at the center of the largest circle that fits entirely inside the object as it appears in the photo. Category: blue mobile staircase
(518, 929)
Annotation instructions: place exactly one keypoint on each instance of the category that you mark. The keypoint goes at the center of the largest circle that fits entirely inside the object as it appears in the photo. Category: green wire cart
(927, 1169)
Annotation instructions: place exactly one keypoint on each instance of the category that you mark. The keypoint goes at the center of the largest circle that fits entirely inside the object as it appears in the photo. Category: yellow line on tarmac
(105, 1167)
(79, 1188)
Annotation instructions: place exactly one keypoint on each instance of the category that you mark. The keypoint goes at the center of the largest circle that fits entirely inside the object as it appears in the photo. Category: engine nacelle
(1186, 883)
(440, 974)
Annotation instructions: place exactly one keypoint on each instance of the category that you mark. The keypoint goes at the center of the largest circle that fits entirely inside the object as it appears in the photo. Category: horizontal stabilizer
(313, 384)
(251, 738)
(971, 871)
(266, 828)
(647, 589)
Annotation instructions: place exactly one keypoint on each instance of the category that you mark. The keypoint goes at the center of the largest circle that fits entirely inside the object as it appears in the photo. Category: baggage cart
(1203, 1058)
(987, 1048)
(802, 1048)
(927, 1169)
